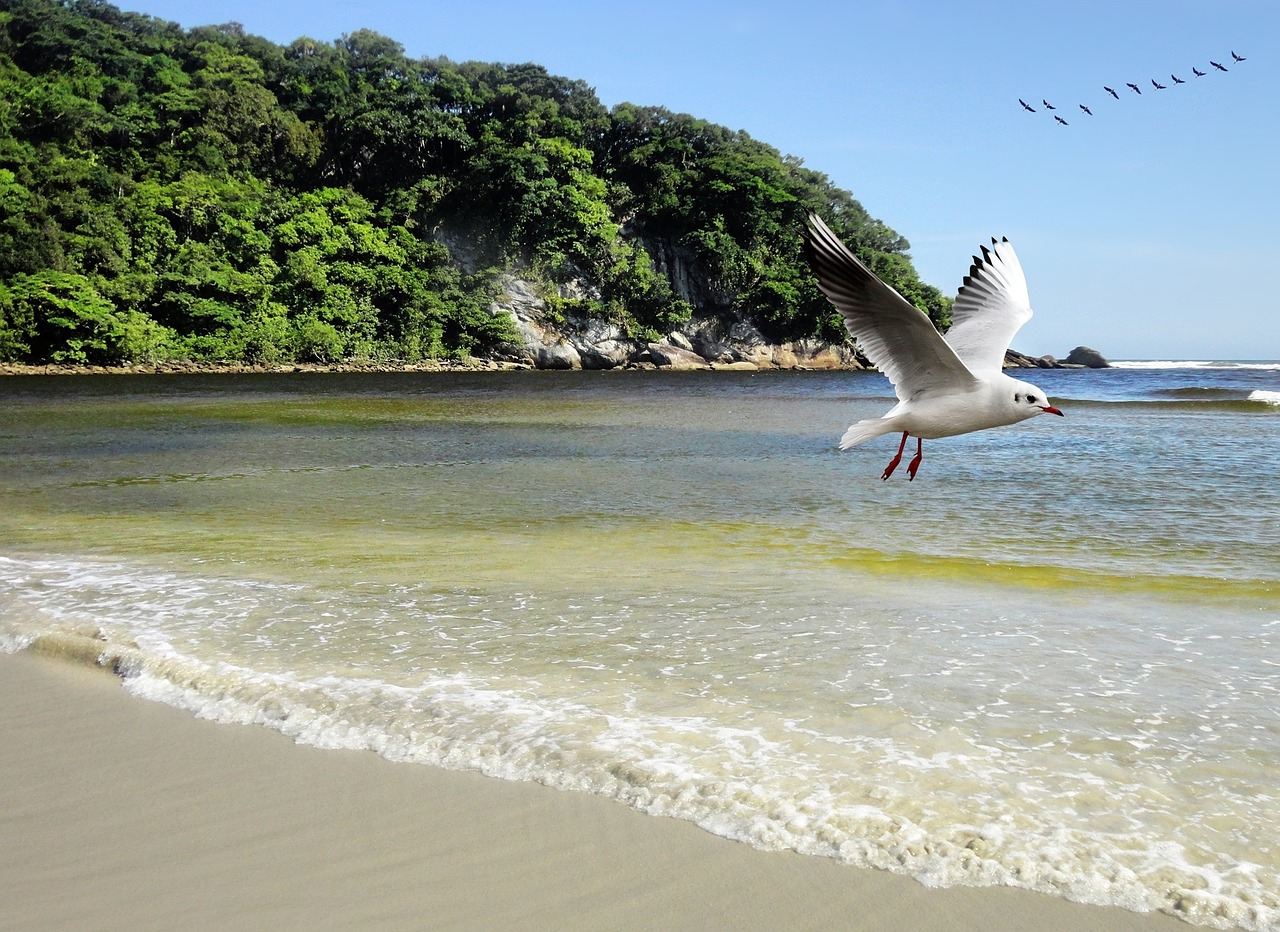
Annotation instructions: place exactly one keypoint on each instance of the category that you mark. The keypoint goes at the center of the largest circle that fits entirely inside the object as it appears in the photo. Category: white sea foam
(1271, 398)
(833, 746)
(1194, 364)
(737, 783)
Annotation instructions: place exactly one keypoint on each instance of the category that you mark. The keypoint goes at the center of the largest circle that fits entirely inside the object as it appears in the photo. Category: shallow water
(1049, 662)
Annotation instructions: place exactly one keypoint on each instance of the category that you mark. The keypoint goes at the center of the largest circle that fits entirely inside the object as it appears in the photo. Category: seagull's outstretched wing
(991, 306)
(897, 337)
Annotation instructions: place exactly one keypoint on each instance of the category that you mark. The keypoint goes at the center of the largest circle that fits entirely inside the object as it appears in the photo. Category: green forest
(204, 194)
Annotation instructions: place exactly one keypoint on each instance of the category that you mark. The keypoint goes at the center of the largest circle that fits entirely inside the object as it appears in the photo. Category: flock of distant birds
(1133, 87)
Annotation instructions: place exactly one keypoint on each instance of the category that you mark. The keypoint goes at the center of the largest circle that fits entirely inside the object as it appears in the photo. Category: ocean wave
(762, 788)
(1223, 400)
(851, 783)
(1195, 364)
(1201, 393)
(1239, 399)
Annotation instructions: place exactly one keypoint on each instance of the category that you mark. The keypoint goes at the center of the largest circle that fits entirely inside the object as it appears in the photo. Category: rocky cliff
(568, 342)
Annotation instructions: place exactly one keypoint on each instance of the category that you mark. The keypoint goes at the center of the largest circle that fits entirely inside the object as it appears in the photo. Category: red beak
(1050, 409)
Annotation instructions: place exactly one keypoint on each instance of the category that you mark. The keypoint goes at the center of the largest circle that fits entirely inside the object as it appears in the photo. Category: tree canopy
(204, 194)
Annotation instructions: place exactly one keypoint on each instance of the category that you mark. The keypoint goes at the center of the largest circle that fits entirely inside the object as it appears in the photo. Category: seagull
(1111, 92)
(1177, 80)
(1198, 73)
(1086, 109)
(1133, 87)
(1026, 106)
(1216, 65)
(945, 385)
(1047, 105)
(1158, 85)
(1235, 57)
(1061, 120)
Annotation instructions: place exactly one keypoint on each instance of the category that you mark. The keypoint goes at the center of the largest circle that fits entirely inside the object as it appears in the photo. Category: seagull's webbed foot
(915, 461)
(893, 463)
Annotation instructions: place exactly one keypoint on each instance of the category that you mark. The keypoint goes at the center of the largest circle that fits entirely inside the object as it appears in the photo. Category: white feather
(991, 307)
(945, 386)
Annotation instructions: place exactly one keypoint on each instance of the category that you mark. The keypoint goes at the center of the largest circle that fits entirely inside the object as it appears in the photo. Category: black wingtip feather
(829, 258)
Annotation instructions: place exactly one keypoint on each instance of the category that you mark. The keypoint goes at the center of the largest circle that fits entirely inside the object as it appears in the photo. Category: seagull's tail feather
(865, 430)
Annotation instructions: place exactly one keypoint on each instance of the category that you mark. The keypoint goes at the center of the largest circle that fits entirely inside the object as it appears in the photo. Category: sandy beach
(120, 813)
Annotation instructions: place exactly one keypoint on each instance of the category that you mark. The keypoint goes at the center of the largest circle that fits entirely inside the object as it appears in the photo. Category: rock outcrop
(1088, 357)
(547, 341)
(1015, 360)
(670, 356)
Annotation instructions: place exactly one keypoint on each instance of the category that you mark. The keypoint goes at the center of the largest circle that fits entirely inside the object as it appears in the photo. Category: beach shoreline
(19, 370)
(1013, 360)
(122, 813)
(237, 368)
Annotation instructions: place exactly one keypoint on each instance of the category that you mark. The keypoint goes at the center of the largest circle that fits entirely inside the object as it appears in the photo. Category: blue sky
(1150, 230)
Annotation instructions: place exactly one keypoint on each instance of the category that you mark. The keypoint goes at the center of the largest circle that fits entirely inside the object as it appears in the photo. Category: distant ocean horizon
(1052, 661)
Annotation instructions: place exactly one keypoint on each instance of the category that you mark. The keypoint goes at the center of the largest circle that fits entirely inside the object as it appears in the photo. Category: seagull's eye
(1031, 399)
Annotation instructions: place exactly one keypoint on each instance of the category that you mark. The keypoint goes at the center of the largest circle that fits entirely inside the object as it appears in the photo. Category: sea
(1052, 661)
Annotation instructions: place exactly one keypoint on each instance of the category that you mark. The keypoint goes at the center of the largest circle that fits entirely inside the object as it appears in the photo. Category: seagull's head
(1027, 401)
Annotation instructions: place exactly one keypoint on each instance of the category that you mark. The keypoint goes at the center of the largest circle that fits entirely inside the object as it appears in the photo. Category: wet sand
(116, 813)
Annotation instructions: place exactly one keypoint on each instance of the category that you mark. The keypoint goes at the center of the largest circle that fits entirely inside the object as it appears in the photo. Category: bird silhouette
(1133, 87)
(1061, 120)
(1111, 92)
(1086, 109)
(1216, 65)
(1047, 105)
(1177, 80)
(1026, 106)
(1158, 85)
(1198, 73)
(1235, 57)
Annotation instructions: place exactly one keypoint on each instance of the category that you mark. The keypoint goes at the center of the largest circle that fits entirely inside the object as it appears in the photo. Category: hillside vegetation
(204, 194)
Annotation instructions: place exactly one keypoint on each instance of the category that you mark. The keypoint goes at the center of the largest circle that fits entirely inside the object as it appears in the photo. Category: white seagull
(946, 385)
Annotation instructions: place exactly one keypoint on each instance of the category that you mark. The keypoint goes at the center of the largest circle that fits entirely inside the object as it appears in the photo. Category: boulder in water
(1088, 357)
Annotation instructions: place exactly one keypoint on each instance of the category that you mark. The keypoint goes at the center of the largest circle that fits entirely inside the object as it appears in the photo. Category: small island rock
(1088, 357)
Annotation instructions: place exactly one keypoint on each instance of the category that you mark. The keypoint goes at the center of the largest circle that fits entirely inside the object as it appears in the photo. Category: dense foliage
(207, 194)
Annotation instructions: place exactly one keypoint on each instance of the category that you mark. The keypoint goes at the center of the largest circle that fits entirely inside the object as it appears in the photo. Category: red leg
(893, 463)
(915, 463)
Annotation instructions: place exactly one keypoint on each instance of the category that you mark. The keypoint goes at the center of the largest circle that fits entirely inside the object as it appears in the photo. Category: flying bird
(1111, 92)
(1177, 80)
(1047, 105)
(1198, 73)
(1235, 57)
(1158, 85)
(1216, 65)
(1133, 87)
(1086, 109)
(1026, 106)
(1061, 120)
(945, 385)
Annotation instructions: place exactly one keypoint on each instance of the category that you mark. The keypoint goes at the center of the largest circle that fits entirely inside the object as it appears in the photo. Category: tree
(208, 194)
(62, 318)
